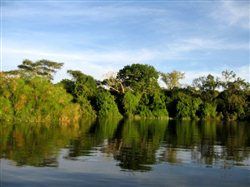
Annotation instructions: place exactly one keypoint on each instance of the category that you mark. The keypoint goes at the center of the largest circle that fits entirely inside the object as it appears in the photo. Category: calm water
(126, 153)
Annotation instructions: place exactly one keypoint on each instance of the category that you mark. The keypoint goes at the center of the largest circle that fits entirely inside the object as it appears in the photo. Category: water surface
(126, 153)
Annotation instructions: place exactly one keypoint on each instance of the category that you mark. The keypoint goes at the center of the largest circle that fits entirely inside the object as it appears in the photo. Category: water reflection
(34, 144)
(138, 143)
(134, 145)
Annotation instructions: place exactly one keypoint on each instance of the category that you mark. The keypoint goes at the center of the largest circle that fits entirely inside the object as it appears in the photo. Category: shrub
(105, 105)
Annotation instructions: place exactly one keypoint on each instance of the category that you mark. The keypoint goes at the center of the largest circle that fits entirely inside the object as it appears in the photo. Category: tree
(152, 105)
(113, 83)
(172, 80)
(233, 100)
(227, 76)
(208, 83)
(83, 88)
(35, 99)
(182, 105)
(105, 105)
(82, 84)
(43, 68)
(130, 103)
(139, 77)
(207, 111)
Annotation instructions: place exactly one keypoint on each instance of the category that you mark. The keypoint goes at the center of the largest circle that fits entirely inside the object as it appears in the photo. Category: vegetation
(28, 94)
(105, 105)
(35, 99)
(172, 80)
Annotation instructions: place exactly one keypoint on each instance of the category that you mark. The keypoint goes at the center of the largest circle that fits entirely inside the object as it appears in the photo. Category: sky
(98, 37)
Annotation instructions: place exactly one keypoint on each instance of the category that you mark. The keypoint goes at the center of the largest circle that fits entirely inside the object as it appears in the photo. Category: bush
(35, 99)
(207, 110)
(152, 106)
(185, 106)
(130, 103)
(86, 108)
(105, 105)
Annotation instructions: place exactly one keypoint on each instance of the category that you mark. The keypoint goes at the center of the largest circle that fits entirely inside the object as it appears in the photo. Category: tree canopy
(134, 92)
(43, 68)
(172, 80)
(139, 77)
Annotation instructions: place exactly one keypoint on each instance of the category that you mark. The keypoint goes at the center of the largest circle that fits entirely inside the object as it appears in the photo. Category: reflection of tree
(133, 143)
(92, 135)
(139, 142)
(236, 141)
(34, 144)
(206, 147)
(180, 135)
(207, 142)
(83, 143)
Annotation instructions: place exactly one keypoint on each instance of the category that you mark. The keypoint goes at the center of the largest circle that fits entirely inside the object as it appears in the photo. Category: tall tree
(82, 84)
(172, 80)
(43, 68)
(208, 83)
(233, 100)
(113, 83)
(139, 77)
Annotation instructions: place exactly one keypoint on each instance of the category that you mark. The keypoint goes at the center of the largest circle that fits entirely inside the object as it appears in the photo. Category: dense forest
(28, 94)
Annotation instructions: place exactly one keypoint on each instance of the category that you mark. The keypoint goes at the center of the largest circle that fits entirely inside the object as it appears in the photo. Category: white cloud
(199, 43)
(233, 13)
(90, 62)
(98, 63)
(77, 10)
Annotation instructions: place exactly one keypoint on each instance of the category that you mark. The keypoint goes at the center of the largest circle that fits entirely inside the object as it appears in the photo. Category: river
(126, 153)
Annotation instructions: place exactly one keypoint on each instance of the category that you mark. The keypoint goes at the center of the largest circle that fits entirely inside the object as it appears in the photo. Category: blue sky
(98, 37)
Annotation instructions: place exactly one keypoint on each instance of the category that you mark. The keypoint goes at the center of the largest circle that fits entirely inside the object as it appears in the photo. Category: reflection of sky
(78, 173)
(97, 37)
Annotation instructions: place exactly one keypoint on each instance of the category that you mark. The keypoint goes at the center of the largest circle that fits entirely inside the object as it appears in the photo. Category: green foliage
(158, 106)
(207, 111)
(206, 83)
(152, 106)
(130, 103)
(86, 107)
(207, 87)
(35, 99)
(139, 77)
(28, 94)
(105, 105)
(234, 99)
(185, 106)
(172, 80)
(81, 85)
(232, 105)
(42, 68)
(83, 88)
(6, 110)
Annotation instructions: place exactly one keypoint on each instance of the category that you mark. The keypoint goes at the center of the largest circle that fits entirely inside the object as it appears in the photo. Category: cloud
(99, 62)
(233, 13)
(95, 63)
(196, 43)
(77, 11)
(90, 62)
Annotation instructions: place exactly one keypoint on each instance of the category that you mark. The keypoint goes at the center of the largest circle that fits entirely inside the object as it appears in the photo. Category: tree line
(134, 92)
